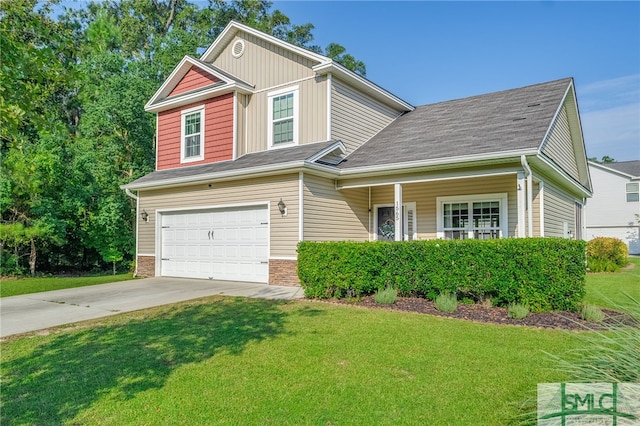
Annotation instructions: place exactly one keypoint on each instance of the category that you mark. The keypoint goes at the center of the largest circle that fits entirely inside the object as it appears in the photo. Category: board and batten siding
(218, 133)
(331, 215)
(559, 145)
(312, 115)
(424, 194)
(283, 230)
(356, 117)
(263, 65)
(559, 208)
(195, 78)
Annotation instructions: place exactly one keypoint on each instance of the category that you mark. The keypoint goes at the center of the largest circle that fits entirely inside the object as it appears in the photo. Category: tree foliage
(72, 121)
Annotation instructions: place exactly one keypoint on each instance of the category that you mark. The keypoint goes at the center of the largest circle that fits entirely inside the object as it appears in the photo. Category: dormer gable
(192, 81)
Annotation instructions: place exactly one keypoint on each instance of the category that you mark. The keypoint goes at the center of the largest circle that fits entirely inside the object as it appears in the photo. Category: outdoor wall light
(282, 207)
(144, 215)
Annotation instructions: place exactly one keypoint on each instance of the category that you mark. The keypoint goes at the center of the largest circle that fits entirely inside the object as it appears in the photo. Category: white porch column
(398, 211)
(522, 200)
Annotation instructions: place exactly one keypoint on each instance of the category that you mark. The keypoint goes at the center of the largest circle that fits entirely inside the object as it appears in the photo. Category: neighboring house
(262, 144)
(614, 210)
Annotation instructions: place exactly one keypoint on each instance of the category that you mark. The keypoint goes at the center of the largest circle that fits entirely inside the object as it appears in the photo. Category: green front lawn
(242, 361)
(607, 289)
(14, 287)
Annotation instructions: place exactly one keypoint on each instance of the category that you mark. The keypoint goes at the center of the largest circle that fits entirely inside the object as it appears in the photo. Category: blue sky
(429, 52)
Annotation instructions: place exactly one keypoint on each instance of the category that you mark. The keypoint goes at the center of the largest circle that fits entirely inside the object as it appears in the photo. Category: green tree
(33, 93)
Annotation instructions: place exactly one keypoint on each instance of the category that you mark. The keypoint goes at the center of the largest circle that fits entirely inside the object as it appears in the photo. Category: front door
(385, 222)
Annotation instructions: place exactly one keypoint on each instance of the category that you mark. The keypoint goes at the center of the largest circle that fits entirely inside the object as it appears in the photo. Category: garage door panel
(228, 244)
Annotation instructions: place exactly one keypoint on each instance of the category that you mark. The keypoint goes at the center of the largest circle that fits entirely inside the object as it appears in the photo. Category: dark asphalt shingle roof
(629, 167)
(515, 119)
(263, 158)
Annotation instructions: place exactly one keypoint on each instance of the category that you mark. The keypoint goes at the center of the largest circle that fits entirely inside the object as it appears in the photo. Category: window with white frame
(192, 148)
(283, 117)
(478, 217)
(633, 192)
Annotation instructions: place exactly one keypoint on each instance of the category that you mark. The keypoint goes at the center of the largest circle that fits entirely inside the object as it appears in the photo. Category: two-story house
(614, 209)
(262, 144)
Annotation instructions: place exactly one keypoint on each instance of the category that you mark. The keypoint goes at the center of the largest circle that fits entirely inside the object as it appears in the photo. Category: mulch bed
(492, 315)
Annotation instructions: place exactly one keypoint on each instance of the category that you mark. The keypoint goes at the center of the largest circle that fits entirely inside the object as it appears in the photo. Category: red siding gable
(218, 133)
(194, 79)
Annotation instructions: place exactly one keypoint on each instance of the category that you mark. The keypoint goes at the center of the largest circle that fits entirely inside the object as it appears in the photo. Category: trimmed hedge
(544, 273)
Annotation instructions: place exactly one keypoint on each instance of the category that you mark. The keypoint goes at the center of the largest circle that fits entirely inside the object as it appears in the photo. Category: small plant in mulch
(591, 313)
(517, 311)
(386, 296)
(446, 302)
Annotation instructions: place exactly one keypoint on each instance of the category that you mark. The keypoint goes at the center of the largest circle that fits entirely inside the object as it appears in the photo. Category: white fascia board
(549, 163)
(191, 97)
(543, 142)
(553, 120)
(178, 73)
(233, 27)
(419, 178)
(337, 145)
(376, 91)
(448, 162)
(583, 146)
(218, 176)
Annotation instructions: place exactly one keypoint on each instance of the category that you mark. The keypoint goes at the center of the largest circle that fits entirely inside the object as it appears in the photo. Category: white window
(283, 117)
(479, 217)
(633, 192)
(384, 222)
(192, 145)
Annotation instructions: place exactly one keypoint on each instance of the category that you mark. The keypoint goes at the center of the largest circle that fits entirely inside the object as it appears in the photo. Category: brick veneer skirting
(283, 272)
(146, 266)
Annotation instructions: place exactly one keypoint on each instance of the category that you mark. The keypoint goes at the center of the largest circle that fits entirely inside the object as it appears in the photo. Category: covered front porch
(482, 206)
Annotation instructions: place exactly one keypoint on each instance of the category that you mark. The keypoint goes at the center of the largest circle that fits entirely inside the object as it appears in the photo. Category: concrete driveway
(36, 311)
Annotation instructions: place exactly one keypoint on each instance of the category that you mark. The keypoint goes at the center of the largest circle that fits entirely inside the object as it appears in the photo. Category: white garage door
(222, 244)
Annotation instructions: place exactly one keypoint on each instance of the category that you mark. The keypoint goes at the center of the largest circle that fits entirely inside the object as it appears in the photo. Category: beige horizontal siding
(355, 117)
(558, 209)
(559, 145)
(425, 194)
(536, 209)
(283, 230)
(331, 215)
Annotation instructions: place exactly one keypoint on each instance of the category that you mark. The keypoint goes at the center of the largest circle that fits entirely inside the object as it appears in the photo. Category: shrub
(591, 313)
(517, 311)
(387, 296)
(605, 254)
(446, 302)
(544, 273)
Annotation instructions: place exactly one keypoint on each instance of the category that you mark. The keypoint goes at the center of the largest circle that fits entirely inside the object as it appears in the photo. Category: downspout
(529, 206)
(135, 197)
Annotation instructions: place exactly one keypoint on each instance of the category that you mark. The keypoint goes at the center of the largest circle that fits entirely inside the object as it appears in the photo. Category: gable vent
(237, 49)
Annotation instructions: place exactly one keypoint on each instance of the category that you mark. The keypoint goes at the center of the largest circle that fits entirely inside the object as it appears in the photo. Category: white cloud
(610, 113)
